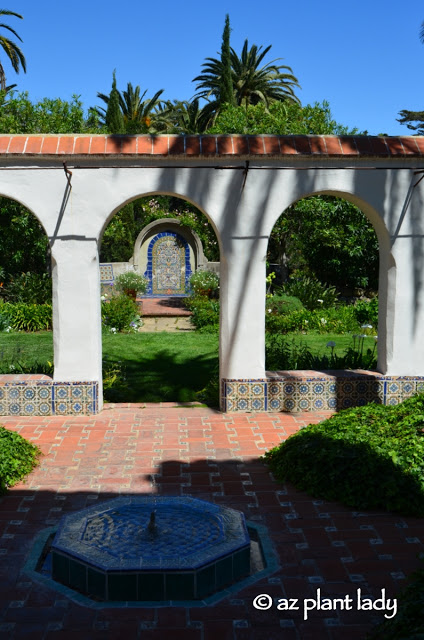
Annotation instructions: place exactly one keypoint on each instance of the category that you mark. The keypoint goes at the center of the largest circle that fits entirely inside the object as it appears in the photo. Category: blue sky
(363, 56)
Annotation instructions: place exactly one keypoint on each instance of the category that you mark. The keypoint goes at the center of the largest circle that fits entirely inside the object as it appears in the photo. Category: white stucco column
(242, 300)
(405, 308)
(76, 312)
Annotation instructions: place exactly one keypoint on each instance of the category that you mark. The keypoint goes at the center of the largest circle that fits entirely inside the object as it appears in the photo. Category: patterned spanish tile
(44, 398)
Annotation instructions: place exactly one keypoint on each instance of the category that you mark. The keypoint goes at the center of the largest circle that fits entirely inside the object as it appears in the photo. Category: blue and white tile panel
(46, 398)
(316, 392)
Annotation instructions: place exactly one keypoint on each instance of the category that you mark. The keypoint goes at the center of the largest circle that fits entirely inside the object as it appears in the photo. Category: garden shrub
(283, 354)
(282, 304)
(28, 317)
(18, 457)
(340, 319)
(120, 313)
(30, 288)
(311, 292)
(368, 457)
(366, 311)
(205, 283)
(210, 393)
(205, 313)
(4, 320)
(115, 386)
(408, 624)
(130, 281)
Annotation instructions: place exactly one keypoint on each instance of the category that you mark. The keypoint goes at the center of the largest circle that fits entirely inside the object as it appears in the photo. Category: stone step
(165, 323)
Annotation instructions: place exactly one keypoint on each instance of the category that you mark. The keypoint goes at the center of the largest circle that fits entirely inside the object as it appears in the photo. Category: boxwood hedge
(368, 457)
(18, 457)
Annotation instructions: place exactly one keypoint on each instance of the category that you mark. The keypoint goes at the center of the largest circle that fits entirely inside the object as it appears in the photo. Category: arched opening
(169, 353)
(26, 339)
(327, 263)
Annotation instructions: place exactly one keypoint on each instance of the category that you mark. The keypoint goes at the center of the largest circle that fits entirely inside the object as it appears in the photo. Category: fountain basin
(113, 552)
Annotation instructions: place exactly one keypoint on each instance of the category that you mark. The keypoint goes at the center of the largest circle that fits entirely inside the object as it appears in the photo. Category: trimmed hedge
(18, 457)
(368, 457)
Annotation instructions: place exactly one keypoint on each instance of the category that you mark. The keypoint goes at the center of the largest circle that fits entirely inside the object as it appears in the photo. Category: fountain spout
(152, 526)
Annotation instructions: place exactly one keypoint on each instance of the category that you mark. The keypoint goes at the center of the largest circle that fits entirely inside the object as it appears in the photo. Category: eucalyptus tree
(11, 49)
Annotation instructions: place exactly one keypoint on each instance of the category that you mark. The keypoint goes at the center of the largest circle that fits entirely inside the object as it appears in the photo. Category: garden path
(164, 314)
(199, 452)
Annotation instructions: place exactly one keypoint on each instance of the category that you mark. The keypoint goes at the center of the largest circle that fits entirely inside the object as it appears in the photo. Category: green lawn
(157, 366)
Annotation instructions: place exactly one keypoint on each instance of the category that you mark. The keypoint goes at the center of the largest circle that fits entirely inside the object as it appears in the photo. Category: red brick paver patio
(197, 452)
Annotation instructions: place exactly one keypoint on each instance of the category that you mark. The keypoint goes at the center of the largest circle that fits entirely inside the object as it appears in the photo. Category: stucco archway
(243, 183)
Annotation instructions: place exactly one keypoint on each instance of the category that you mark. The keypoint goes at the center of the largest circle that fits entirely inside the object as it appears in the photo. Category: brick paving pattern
(205, 454)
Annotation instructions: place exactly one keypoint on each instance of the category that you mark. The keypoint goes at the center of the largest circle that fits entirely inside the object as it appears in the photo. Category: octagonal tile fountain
(151, 548)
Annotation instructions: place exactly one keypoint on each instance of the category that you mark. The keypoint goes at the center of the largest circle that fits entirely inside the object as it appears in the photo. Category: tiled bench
(317, 390)
(33, 394)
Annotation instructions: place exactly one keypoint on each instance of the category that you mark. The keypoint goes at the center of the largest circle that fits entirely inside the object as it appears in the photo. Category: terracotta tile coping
(210, 146)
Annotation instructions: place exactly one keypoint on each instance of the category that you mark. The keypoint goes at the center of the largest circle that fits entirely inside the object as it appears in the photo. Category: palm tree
(183, 117)
(251, 82)
(137, 113)
(12, 51)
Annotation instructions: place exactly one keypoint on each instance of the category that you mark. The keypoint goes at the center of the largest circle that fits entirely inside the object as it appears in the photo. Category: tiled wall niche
(32, 395)
(316, 391)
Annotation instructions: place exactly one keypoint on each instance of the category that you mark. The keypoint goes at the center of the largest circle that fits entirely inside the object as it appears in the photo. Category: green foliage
(279, 118)
(408, 624)
(114, 120)
(28, 317)
(373, 457)
(328, 239)
(282, 354)
(341, 319)
(226, 88)
(24, 245)
(18, 114)
(205, 283)
(18, 457)
(252, 83)
(210, 393)
(11, 49)
(4, 320)
(130, 281)
(366, 311)
(31, 288)
(19, 363)
(311, 292)
(115, 385)
(205, 313)
(282, 304)
(132, 114)
(414, 120)
(119, 236)
(119, 312)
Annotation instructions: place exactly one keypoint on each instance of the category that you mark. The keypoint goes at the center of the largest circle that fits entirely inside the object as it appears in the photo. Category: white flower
(319, 300)
(363, 335)
(102, 298)
(269, 310)
(331, 343)
(12, 367)
(366, 326)
(306, 321)
(113, 330)
(375, 338)
(323, 321)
